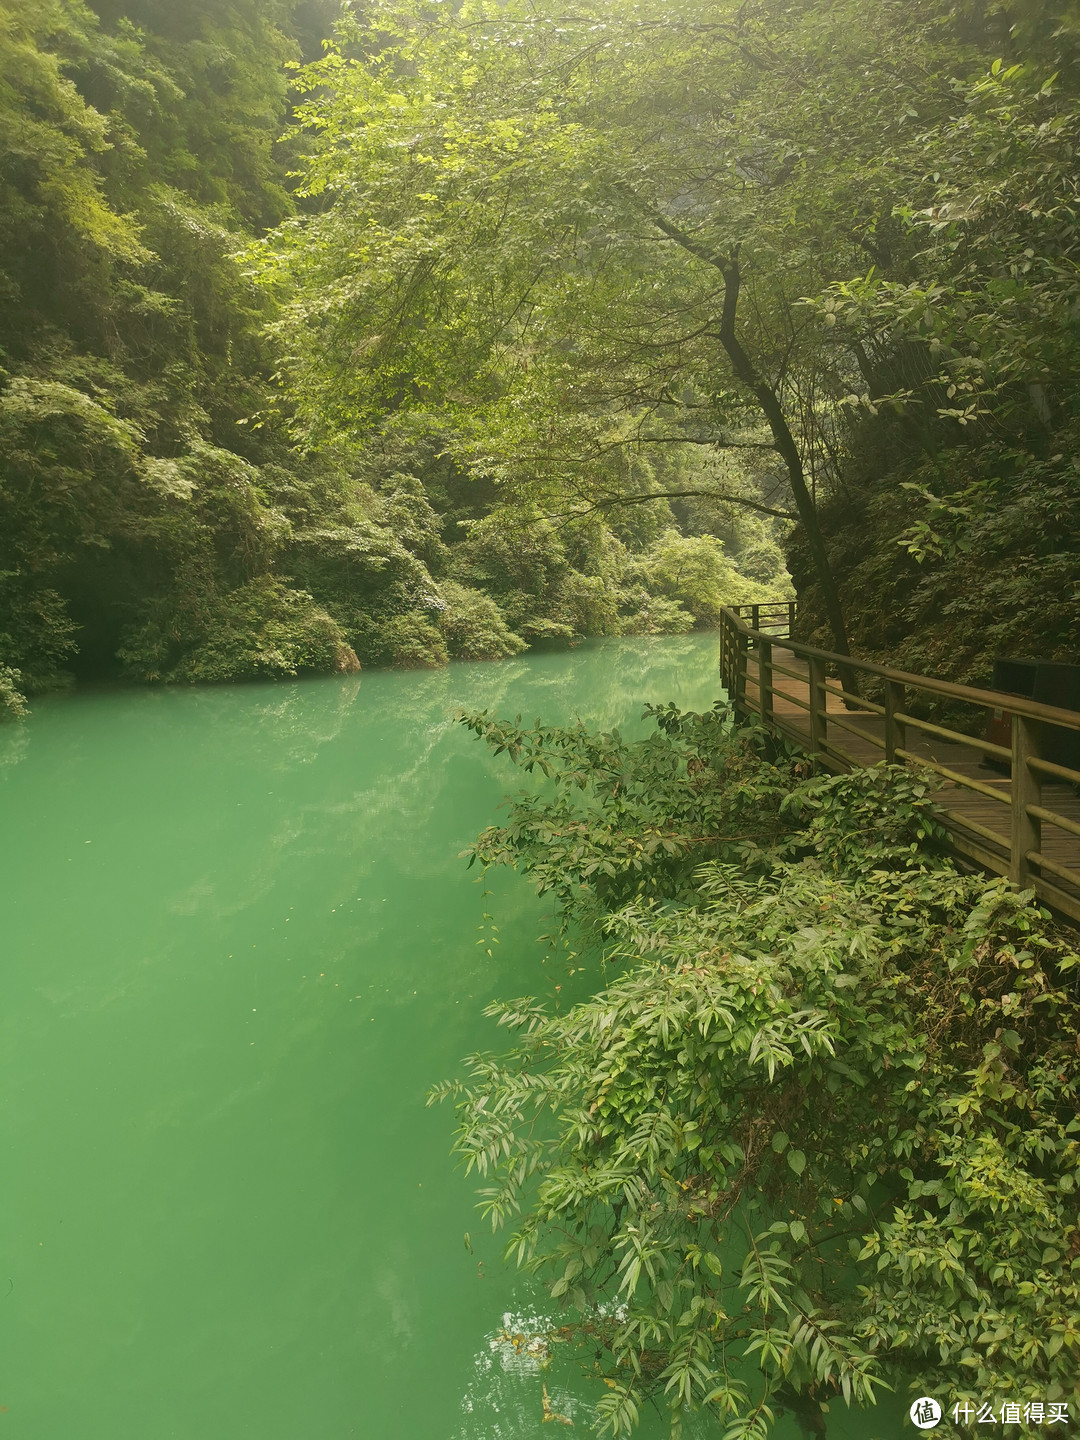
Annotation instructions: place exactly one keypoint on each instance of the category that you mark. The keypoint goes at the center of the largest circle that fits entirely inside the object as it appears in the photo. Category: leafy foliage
(149, 491)
(819, 1133)
(12, 703)
(137, 150)
(554, 234)
(581, 313)
(474, 626)
(955, 499)
(695, 572)
(262, 629)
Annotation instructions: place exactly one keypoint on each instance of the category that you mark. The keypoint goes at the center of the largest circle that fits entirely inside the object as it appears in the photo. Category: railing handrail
(1016, 849)
(988, 699)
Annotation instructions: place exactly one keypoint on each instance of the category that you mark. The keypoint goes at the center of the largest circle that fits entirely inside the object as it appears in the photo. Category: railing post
(790, 618)
(755, 617)
(1026, 789)
(742, 645)
(765, 685)
(895, 733)
(818, 701)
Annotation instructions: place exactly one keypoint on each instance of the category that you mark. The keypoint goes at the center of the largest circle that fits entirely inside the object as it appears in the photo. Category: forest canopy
(835, 250)
(160, 518)
(400, 331)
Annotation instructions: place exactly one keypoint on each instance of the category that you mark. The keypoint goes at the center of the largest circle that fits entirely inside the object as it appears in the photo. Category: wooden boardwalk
(1007, 807)
(964, 803)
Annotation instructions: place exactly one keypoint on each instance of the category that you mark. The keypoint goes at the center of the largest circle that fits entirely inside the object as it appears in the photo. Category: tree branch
(772, 408)
(685, 440)
(609, 501)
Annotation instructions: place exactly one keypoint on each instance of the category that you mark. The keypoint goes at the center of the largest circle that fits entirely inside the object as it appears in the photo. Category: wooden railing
(1015, 847)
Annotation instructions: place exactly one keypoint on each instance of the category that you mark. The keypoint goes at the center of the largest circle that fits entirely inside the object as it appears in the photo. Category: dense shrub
(12, 700)
(261, 629)
(473, 625)
(817, 1132)
(697, 574)
(954, 562)
(647, 614)
(412, 641)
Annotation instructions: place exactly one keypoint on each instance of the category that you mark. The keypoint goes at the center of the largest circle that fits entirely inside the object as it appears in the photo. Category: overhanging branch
(609, 502)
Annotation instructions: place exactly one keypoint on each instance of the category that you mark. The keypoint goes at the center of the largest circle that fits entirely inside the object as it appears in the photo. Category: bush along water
(817, 1137)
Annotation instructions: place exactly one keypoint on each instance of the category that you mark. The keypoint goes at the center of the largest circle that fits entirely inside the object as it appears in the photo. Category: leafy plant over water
(819, 1133)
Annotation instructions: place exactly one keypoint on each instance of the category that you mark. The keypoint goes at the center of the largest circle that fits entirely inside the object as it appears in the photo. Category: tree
(133, 157)
(568, 235)
(149, 495)
(956, 503)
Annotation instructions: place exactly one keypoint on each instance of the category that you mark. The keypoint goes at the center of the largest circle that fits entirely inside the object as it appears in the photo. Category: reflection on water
(288, 722)
(513, 1388)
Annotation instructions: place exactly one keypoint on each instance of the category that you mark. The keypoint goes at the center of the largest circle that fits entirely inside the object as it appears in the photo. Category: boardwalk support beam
(818, 702)
(1026, 828)
(765, 686)
(895, 732)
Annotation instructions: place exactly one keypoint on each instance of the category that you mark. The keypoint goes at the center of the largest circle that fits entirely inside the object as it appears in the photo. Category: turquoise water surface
(239, 948)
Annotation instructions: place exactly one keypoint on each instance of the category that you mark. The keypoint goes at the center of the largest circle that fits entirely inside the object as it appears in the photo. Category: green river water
(239, 946)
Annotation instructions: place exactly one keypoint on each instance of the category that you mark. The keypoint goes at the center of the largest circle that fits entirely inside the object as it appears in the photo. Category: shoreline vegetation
(163, 518)
(817, 1134)
(388, 333)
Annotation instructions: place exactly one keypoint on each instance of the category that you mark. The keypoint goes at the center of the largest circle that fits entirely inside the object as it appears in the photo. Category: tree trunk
(773, 411)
